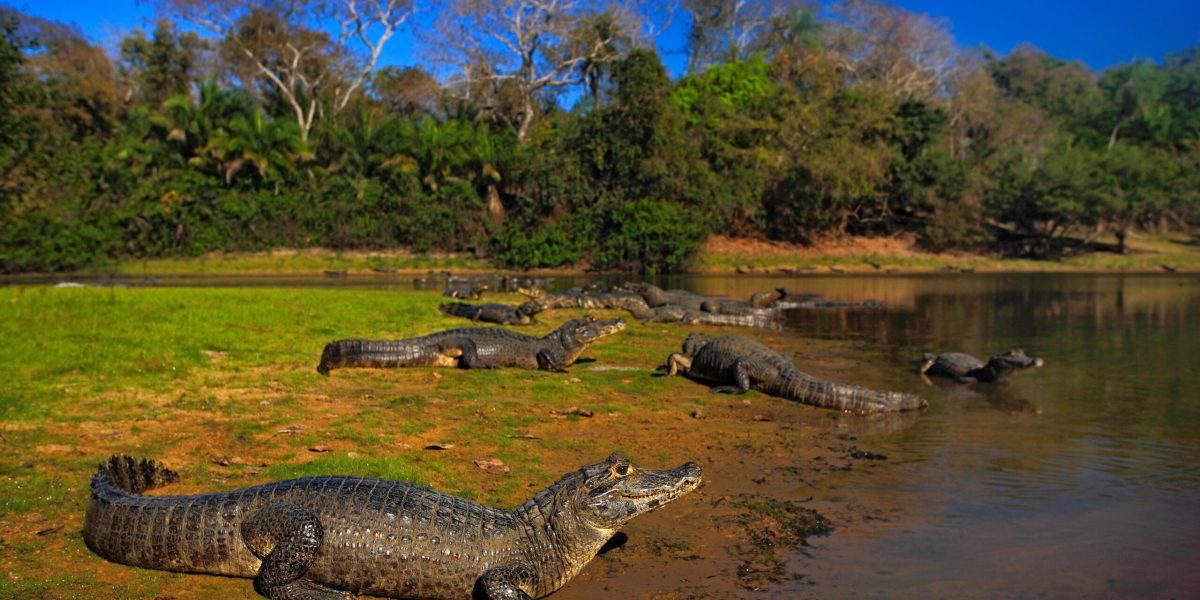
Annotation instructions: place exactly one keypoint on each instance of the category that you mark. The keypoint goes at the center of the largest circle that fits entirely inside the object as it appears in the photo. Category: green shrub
(649, 236)
(556, 245)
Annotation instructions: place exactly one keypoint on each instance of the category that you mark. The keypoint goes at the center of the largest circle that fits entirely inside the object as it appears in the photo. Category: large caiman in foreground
(742, 364)
(320, 538)
(472, 348)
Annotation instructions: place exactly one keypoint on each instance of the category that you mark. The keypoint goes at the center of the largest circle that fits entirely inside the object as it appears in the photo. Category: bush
(649, 236)
(556, 245)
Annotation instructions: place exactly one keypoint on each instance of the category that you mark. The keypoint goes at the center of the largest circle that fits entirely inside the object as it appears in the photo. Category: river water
(1080, 479)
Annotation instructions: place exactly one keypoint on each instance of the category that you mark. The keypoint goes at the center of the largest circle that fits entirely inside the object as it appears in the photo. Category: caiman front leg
(548, 362)
(286, 537)
(741, 380)
(503, 583)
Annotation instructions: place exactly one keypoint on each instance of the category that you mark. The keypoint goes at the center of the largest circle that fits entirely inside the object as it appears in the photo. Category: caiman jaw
(657, 497)
(600, 329)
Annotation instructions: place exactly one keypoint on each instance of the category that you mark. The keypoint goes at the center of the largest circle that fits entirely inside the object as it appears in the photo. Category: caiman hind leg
(502, 583)
(741, 380)
(286, 537)
(468, 355)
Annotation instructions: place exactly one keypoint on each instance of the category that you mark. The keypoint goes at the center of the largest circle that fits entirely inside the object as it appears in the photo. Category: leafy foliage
(802, 127)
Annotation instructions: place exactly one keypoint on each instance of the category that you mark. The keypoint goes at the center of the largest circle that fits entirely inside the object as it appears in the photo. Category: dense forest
(549, 133)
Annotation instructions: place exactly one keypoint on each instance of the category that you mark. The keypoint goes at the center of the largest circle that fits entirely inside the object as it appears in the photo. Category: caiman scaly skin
(472, 348)
(656, 296)
(320, 538)
(968, 369)
(742, 364)
(577, 298)
(502, 314)
(670, 313)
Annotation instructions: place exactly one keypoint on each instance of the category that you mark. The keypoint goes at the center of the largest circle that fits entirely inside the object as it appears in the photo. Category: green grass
(220, 384)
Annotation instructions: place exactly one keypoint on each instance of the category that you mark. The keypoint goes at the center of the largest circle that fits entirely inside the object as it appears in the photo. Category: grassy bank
(718, 256)
(220, 385)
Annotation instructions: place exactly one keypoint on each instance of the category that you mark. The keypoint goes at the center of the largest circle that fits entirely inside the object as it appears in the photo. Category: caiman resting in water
(743, 364)
(466, 292)
(320, 538)
(472, 348)
(494, 313)
(968, 369)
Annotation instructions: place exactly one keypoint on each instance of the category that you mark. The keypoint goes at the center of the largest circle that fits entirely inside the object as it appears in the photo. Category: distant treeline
(579, 149)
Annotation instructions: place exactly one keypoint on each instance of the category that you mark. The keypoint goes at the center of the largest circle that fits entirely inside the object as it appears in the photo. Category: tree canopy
(548, 132)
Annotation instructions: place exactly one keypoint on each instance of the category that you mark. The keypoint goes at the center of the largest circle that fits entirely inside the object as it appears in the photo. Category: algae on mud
(219, 384)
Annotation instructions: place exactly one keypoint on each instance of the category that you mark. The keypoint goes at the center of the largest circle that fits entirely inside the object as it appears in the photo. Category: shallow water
(1080, 479)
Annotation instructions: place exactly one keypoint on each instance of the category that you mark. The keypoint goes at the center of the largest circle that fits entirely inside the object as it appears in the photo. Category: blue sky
(1101, 33)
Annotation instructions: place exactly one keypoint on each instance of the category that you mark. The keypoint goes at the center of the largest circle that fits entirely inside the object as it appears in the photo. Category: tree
(164, 65)
(905, 54)
(1063, 92)
(725, 30)
(286, 44)
(1136, 92)
(409, 91)
(521, 50)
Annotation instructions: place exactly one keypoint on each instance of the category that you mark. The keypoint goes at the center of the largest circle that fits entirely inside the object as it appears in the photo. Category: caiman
(656, 296)
(969, 369)
(577, 298)
(472, 348)
(320, 538)
(670, 313)
(494, 313)
(466, 292)
(742, 364)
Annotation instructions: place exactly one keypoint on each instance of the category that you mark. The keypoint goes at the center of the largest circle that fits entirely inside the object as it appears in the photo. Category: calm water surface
(1080, 479)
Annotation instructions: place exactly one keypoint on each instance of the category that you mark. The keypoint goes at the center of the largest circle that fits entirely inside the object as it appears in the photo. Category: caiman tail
(803, 388)
(367, 353)
(180, 533)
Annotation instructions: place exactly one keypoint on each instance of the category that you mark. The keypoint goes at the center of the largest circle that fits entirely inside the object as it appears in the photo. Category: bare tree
(509, 54)
(724, 30)
(292, 46)
(907, 54)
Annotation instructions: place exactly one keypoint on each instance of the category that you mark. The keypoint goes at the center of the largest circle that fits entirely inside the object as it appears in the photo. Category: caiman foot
(501, 583)
(546, 362)
(728, 389)
(304, 589)
(677, 362)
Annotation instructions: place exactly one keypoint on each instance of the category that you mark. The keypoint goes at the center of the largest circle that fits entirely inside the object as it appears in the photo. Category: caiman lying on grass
(320, 538)
(968, 369)
(494, 313)
(743, 364)
(472, 348)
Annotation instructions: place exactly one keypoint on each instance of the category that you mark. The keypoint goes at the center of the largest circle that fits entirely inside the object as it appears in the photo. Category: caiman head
(608, 494)
(530, 308)
(1012, 360)
(927, 361)
(693, 343)
(533, 292)
(589, 329)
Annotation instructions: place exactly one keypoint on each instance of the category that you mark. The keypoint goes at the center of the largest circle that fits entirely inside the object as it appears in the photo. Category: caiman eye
(621, 470)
